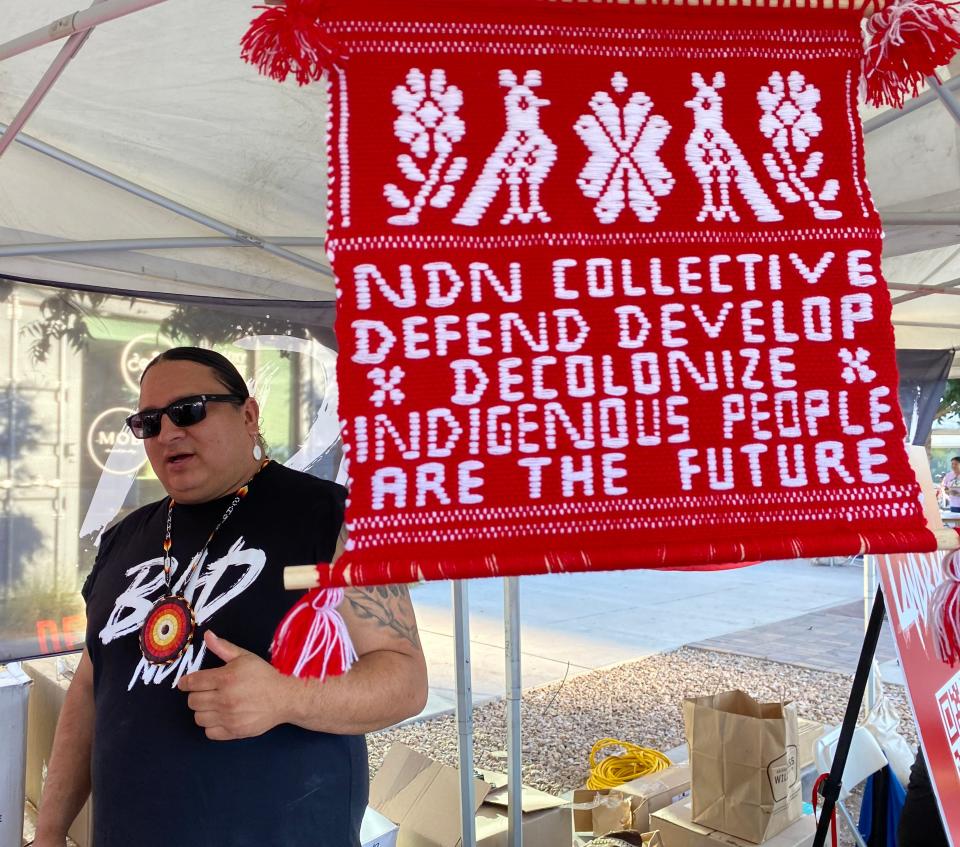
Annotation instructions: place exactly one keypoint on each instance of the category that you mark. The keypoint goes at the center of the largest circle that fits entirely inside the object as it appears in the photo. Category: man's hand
(243, 699)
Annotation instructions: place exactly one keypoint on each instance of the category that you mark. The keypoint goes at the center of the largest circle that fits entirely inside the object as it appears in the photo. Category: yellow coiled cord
(615, 770)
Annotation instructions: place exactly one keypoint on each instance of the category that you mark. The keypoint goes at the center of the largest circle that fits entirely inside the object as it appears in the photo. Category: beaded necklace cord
(169, 627)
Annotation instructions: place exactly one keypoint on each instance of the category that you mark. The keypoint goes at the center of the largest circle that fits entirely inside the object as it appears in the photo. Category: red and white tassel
(907, 40)
(291, 39)
(312, 639)
(945, 611)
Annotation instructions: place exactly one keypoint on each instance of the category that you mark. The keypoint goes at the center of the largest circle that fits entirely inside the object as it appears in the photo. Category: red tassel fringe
(291, 39)
(312, 640)
(945, 611)
(907, 41)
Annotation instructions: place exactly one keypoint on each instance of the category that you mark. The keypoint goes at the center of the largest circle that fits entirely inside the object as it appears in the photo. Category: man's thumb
(222, 648)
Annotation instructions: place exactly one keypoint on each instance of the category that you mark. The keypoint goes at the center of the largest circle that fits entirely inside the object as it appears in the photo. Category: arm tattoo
(388, 606)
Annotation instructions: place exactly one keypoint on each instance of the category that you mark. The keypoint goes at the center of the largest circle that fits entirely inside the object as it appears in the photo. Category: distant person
(950, 486)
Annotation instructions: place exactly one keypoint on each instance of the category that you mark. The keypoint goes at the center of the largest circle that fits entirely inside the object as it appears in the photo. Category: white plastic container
(14, 697)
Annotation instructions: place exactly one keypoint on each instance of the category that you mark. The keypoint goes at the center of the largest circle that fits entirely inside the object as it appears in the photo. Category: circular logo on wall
(112, 446)
(138, 353)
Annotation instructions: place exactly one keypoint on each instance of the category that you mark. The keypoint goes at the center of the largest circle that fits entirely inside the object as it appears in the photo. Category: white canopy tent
(159, 162)
(160, 100)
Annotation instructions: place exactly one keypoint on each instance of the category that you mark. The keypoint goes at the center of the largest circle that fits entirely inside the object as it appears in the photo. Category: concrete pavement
(574, 623)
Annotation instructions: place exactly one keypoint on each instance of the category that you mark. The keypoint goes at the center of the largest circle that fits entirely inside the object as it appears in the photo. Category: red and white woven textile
(609, 290)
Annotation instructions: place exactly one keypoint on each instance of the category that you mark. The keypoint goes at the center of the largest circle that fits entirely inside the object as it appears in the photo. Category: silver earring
(257, 452)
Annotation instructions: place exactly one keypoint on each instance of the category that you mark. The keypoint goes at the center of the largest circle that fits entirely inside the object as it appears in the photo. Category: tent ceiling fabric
(162, 99)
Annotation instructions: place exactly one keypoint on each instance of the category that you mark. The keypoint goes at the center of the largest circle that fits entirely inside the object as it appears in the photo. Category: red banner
(609, 290)
(909, 581)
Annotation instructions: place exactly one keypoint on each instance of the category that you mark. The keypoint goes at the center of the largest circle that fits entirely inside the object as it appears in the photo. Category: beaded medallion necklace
(169, 627)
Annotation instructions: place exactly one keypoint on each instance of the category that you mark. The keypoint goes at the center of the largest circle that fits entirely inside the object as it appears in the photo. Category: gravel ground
(637, 702)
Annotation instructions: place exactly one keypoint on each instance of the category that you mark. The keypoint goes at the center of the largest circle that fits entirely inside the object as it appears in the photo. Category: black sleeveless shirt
(157, 779)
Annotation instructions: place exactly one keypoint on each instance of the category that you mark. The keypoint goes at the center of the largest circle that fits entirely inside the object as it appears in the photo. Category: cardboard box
(630, 805)
(677, 829)
(51, 679)
(376, 830)
(422, 797)
(14, 696)
(810, 733)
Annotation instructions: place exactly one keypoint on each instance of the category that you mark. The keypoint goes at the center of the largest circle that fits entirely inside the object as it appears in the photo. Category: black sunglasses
(184, 412)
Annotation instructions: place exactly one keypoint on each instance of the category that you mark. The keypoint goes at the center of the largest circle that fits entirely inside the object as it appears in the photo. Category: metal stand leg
(511, 616)
(831, 788)
(464, 713)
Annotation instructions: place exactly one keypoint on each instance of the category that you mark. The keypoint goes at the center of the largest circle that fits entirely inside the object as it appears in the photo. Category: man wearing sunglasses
(175, 718)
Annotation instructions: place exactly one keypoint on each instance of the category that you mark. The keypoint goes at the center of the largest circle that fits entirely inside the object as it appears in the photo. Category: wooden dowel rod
(300, 577)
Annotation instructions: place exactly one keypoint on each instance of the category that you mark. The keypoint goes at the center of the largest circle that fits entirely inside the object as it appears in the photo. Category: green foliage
(187, 324)
(63, 315)
(950, 404)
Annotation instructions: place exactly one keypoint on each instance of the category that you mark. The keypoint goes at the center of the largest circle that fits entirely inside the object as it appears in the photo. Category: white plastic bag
(883, 722)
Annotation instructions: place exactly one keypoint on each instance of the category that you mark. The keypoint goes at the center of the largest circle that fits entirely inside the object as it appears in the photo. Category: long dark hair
(227, 375)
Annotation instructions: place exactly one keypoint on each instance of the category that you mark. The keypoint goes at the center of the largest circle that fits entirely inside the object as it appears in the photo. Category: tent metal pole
(464, 712)
(920, 218)
(941, 288)
(249, 239)
(68, 25)
(67, 52)
(869, 592)
(924, 290)
(891, 115)
(946, 96)
(511, 610)
(925, 325)
(122, 245)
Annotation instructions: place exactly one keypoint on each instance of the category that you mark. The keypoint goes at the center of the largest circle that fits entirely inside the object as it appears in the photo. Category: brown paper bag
(744, 761)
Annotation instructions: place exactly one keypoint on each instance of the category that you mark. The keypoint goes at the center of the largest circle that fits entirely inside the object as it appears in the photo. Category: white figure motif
(790, 121)
(624, 167)
(716, 159)
(523, 158)
(428, 122)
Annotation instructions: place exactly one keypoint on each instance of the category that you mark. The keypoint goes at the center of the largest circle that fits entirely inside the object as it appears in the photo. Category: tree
(950, 404)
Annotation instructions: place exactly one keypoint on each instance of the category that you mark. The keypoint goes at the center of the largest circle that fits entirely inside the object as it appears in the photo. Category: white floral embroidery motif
(716, 159)
(429, 124)
(624, 167)
(524, 157)
(856, 365)
(790, 122)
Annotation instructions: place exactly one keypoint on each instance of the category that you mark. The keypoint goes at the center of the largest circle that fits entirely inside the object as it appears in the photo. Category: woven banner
(609, 290)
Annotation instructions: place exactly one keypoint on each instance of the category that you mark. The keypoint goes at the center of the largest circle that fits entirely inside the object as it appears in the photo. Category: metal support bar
(922, 290)
(852, 826)
(70, 24)
(239, 235)
(59, 64)
(891, 115)
(870, 585)
(124, 245)
(514, 690)
(920, 218)
(949, 102)
(925, 325)
(831, 788)
(464, 712)
(942, 288)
